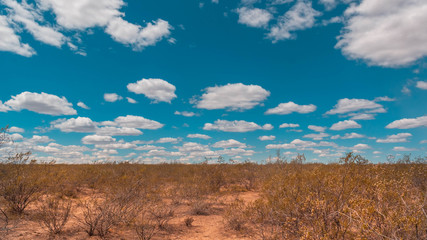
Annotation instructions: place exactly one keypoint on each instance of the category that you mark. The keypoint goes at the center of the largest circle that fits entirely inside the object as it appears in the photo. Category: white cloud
(16, 137)
(290, 107)
(267, 138)
(346, 124)
(11, 42)
(153, 88)
(423, 141)
(316, 128)
(346, 105)
(301, 16)
(79, 124)
(329, 4)
(230, 143)
(41, 103)
(384, 99)
(118, 131)
(300, 145)
(26, 15)
(361, 146)
(316, 136)
(404, 149)
(148, 148)
(185, 113)
(197, 135)
(16, 130)
(289, 125)
(96, 139)
(82, 105)
(168, 140)
(254, 17)
(131, 100)
(422, 85)
(362, 116)
(40, 139)
(400, 137)
(352, 136)
(407, 123)
(82, 14)
(233, 97)
(235, 126)
(112, 97)
(137, 122)
(385, 33)
(136, 36)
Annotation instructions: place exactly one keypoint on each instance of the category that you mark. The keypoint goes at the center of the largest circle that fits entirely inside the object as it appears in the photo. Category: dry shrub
(99, 217)
(54, 214)
(200, 207)
(235, 215)
(145, 228)
(188, 221)
(161, 213)
(20, 185)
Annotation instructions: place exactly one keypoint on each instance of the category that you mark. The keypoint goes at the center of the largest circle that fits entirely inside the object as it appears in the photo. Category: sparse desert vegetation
(350, 199)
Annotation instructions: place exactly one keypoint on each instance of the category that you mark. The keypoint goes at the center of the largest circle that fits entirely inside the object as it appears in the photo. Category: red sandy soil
(210, 226)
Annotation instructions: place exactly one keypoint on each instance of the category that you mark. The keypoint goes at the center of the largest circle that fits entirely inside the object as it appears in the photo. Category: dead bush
(99, 217)
(200, 207)
(189, 221)
(20, 185)
(145, 228)
(161, 213)
(235, 215)
(54, 214)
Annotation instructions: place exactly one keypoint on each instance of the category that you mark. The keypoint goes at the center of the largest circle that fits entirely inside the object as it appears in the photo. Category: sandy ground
(210, 226)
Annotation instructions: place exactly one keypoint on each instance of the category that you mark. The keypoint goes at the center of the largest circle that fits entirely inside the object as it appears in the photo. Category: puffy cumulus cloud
(16, 137)
(116, 145)
(4, 108)
(168, 140)
(97, 139)
(235, 151)
(197, 135)
(191, 147)
(235, 126)
(230, 143)
(361, 146)
(267, 138)
(137, 36)
(396, 138)
(132, 121)
(82, 105)
(316, 136)
(346, 124)
(233, 97)
(254, 17)
(118, 131)
(404, 149)
(316, 128)
(361, 116)
(299, 17)
(290, 107)
(153, 88)
(41, 103)
(25, 15)
(16, 130)
(407, 123)
(40, 139)
(385, 33)
(82, 14)
(384, 99)
(112, 97)
(300, 145)
(289, 125)
(329, 4)
(185, 113)
(148, 147)
(131, 100)
(11, 42)
(79, 124)
(349, 136)
(346, 105)
(422, 85)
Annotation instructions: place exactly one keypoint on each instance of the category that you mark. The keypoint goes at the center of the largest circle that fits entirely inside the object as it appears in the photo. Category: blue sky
(161, 81)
